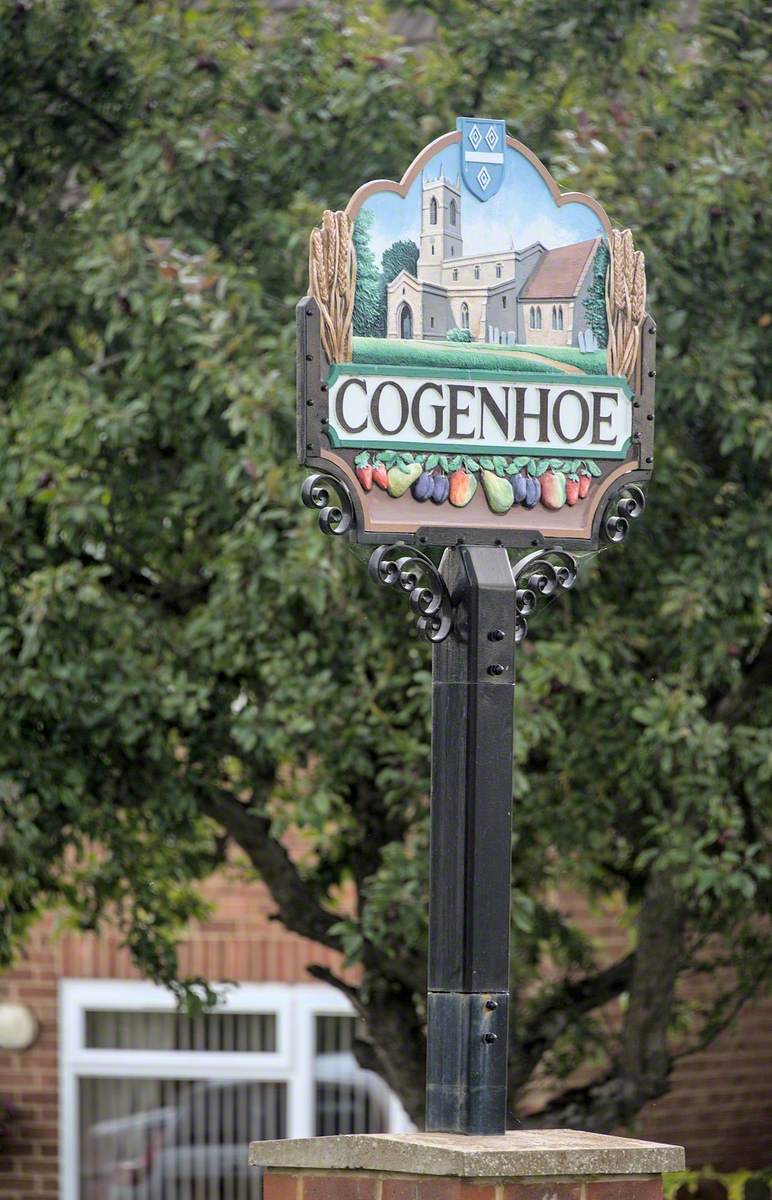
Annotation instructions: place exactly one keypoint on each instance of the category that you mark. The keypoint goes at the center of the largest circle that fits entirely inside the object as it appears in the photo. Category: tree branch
(298, 906)
(644, 1061)
(559, 1012)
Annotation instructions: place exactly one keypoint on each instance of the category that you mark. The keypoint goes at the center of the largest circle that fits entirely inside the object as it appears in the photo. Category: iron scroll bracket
(320, 492)
(402, 567)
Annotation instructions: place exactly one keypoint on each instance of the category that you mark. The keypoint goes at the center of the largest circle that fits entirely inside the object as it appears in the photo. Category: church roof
(561, 272)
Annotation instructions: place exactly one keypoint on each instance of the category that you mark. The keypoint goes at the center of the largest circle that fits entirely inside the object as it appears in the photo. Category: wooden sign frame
(326, 359)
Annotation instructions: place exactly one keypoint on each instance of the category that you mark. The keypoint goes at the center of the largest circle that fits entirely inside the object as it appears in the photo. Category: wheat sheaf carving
(625, 304)
(332, 273)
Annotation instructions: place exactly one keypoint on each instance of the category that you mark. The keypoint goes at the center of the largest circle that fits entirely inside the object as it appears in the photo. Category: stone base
(547, 1164)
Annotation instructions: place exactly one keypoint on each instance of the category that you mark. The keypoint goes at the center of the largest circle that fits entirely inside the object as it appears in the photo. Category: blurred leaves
(172, 622)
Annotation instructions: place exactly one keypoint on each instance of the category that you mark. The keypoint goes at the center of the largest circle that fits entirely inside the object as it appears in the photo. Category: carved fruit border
(553, 482)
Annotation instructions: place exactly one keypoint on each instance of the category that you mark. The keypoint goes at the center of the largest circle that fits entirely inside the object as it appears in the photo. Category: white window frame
(295, 1008)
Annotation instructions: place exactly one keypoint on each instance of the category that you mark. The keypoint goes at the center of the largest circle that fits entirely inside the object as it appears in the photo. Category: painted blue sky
(521, 212)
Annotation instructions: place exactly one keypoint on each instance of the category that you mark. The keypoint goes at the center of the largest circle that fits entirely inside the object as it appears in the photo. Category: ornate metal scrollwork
(539, 575)
(626, 506)
(413, 572)
(333, 518)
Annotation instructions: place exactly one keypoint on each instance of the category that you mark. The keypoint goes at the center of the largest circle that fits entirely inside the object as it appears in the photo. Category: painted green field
(541, 360)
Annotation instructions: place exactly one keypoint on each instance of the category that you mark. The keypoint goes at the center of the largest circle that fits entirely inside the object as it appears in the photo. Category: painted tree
(188, 664)
(595, 304)
(400, 256)
(368, 306)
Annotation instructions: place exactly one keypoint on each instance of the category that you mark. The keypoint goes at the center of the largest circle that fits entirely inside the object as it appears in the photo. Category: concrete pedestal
(547, 1164)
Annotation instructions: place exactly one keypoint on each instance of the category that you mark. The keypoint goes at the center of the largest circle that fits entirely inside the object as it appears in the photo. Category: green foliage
(458, 335)
(400, 256)
(595, 304)
(177, 637)
(704, 1184)
(369, 301)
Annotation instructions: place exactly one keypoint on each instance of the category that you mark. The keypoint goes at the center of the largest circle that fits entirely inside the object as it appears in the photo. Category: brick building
(117, 1091)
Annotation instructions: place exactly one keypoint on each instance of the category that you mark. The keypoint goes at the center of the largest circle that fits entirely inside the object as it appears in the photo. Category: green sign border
(337, 370)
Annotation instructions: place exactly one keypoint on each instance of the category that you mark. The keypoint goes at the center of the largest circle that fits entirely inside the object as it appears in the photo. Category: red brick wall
(720, 1107)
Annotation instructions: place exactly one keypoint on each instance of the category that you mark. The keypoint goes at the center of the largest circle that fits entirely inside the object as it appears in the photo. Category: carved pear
(498, 492)
(400, 478)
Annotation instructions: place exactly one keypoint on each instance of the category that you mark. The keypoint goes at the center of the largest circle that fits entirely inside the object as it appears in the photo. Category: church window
(433, 211)
(465, 315)
(431, 322)
(560, 317)
(452, 250)
(498, 270)
(554, 317)
(432, 247)
(532, 318)
(452, 212)
(455, 274)
(538, 318)
(503, 302)
(477, 272)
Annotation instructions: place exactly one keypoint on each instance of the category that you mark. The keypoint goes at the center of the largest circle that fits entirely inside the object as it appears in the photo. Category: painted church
(531, 296)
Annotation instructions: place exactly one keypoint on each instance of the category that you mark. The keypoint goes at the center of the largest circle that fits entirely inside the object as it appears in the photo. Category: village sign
(485, 373)
(475, 371)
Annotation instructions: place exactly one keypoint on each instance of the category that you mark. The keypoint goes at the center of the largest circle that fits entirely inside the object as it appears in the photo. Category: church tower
(440, 226)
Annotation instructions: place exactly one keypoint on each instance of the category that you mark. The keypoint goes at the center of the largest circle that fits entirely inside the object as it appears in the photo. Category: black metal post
(471, 821)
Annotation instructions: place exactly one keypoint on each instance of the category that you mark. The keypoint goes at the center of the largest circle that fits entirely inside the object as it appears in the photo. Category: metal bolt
(649, 459)
(491, 1004)
(310, 403)
(309, 312)
(309, 445)
(309, 358)
(496, 635)
(636, 404)
(636, 437)
(652, 374)
(323, 388)
(652, 329)
(496, 669)
(490, 1038)
(650, 416)
(324, 422)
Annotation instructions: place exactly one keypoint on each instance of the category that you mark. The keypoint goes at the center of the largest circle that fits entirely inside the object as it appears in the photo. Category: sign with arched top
(476, 363)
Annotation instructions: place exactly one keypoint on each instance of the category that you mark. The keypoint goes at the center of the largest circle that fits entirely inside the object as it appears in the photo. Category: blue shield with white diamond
(482, 155)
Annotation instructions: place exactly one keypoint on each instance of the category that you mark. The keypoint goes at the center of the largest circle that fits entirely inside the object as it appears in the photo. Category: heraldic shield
(482, 155)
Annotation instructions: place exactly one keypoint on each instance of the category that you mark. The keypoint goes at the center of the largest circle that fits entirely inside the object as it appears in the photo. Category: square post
(470, 856)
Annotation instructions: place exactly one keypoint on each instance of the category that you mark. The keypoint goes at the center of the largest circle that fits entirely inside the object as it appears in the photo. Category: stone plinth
(547, 1164)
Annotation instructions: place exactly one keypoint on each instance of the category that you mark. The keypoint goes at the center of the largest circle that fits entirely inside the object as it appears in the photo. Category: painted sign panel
(476, 339)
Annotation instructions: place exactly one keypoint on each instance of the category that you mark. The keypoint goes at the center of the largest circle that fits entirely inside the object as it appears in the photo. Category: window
(498, 270)
(432, 247)
(476, 272)
(433, 211)
(452, 212)
(554, 317)
(431, 322)
(503, 302)
(452, 250)
(159, 1104)
(406, 322)
(532, 318)
(538, 318)
(560, 317)
(465, 315)
(455, 274)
